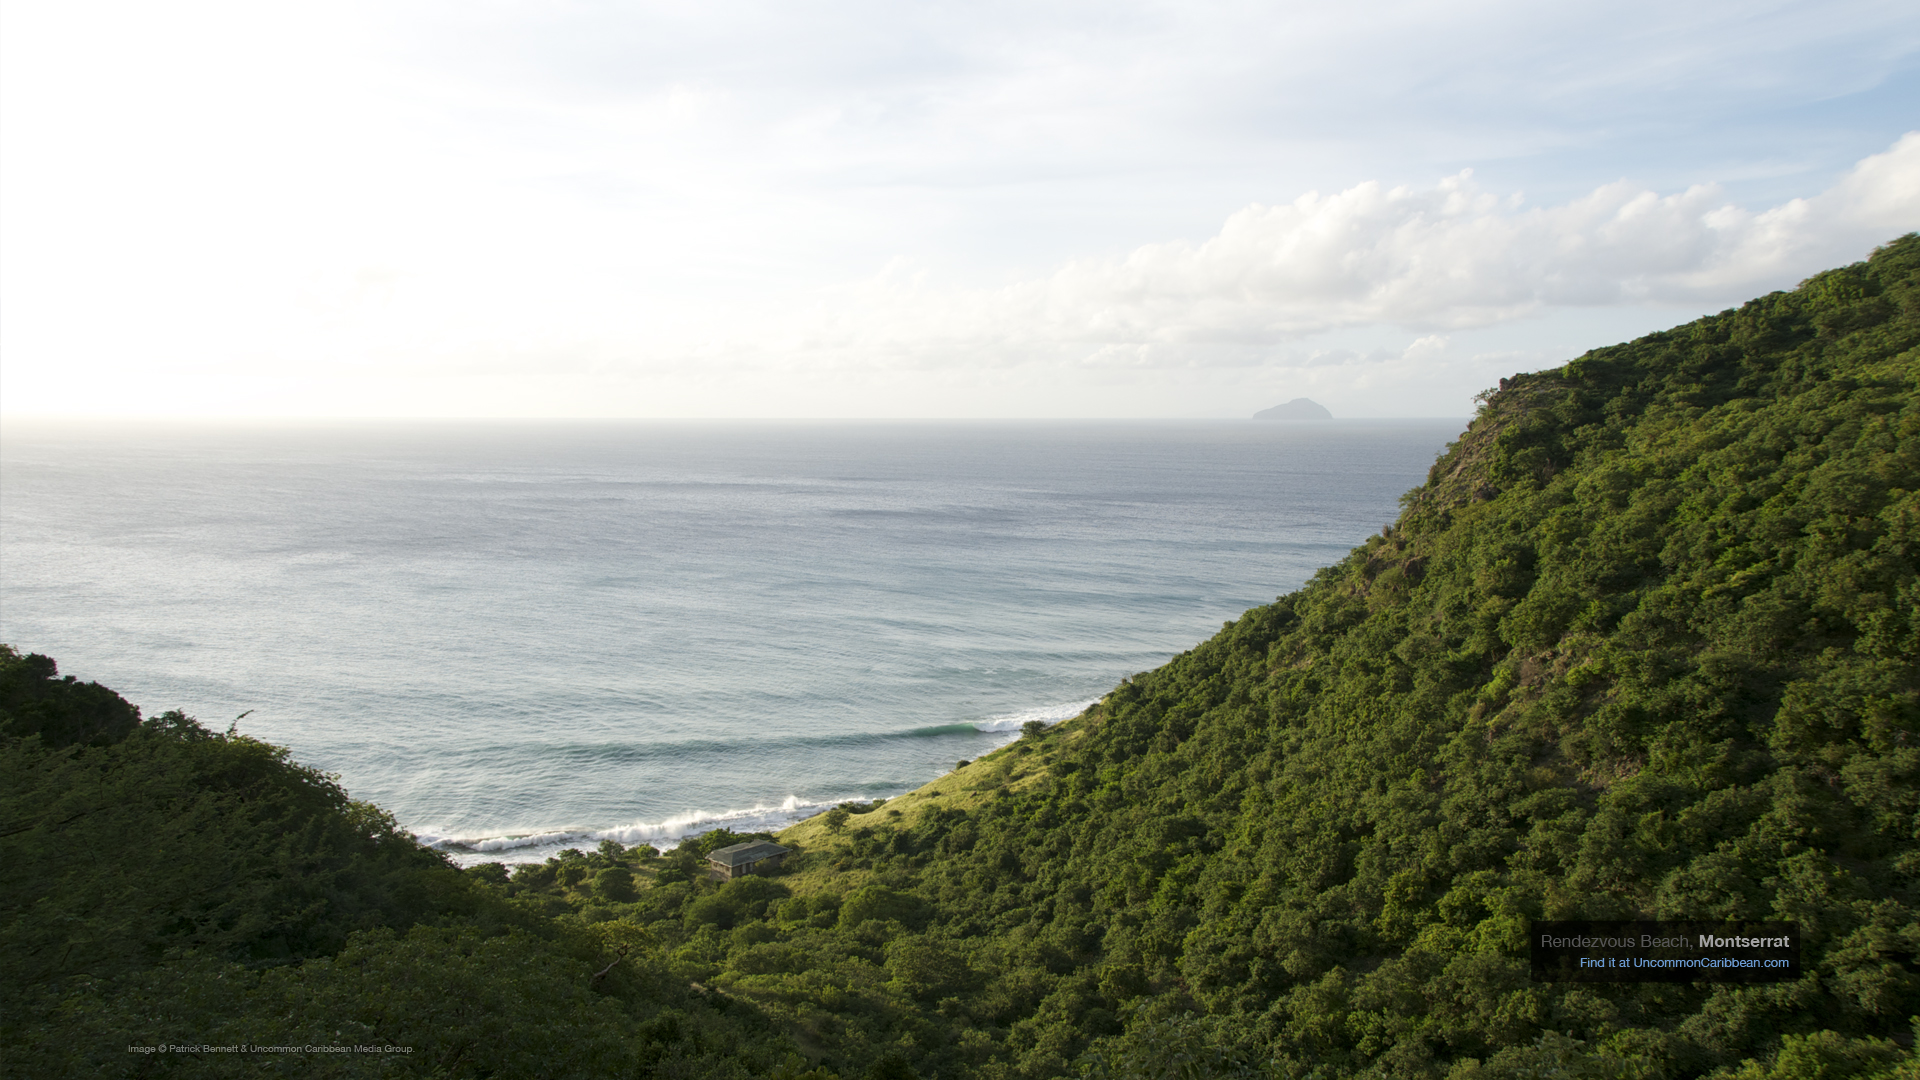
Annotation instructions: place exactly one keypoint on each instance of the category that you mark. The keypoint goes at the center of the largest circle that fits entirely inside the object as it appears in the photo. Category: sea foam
(666, 834)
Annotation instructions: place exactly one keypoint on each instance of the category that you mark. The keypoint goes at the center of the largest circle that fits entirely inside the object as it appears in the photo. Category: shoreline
(518, 847)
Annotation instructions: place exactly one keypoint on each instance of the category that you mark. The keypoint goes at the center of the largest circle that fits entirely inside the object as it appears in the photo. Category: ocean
(524, 636)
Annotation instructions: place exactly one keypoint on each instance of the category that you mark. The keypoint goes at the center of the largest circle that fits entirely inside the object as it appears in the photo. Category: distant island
(1298, 409)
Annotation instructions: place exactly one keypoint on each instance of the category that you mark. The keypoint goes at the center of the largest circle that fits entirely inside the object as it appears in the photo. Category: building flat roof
(741, 854)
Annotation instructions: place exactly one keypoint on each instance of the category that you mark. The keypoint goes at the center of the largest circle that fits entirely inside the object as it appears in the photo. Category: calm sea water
(519, 637)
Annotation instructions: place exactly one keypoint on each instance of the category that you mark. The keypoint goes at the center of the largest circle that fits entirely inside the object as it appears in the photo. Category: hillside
(1645, 644)
(168, 887)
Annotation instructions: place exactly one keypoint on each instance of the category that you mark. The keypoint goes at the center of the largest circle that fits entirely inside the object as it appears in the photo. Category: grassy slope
(1013, 769)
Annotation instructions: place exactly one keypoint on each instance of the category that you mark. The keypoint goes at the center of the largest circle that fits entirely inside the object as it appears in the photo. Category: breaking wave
(535, 845)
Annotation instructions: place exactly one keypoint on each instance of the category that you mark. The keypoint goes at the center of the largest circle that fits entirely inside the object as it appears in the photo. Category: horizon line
(142, 418)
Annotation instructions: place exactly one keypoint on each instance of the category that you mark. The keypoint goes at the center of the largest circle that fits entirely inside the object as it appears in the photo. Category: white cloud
(1448, 257)
(434, 207)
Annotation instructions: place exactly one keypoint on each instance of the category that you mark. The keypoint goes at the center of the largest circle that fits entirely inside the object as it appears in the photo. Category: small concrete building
(752, 857)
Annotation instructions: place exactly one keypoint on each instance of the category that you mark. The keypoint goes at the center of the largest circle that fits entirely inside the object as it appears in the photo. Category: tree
(615, 883)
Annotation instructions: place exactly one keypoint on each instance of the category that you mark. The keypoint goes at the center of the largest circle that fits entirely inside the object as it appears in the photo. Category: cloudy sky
(936, 209)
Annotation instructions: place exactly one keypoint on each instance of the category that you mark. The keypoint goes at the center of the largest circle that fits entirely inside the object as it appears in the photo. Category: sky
(853, 209)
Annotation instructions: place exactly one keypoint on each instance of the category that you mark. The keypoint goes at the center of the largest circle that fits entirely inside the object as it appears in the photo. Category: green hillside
(1646, 644)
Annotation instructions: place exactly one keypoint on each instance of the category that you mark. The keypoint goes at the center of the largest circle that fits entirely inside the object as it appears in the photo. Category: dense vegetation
(167, 885)
(1646, 644)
